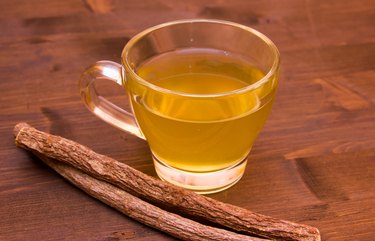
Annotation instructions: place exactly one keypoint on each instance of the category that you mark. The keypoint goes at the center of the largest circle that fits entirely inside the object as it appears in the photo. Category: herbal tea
(198, 106)
(211, 124)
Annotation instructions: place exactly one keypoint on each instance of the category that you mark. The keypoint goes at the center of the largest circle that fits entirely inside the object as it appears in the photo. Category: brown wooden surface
(313, 162)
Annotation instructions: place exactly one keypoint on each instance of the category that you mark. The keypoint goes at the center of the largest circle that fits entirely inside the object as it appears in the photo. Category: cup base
(202, 183)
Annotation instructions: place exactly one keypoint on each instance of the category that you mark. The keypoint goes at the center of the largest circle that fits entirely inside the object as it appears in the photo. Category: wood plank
(312, 163)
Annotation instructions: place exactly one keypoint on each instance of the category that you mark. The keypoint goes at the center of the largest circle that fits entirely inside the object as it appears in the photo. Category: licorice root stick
(158, 192)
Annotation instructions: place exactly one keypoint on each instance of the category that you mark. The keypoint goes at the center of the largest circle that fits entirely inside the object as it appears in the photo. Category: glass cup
(200, 92)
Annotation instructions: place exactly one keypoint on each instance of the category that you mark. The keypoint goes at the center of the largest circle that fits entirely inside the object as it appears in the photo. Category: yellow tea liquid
(200, 129)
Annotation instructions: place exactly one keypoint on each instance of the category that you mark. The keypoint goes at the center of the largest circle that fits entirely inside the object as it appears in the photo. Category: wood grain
(312, 163)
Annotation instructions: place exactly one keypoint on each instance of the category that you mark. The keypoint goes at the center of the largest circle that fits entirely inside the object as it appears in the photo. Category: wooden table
(313, 163)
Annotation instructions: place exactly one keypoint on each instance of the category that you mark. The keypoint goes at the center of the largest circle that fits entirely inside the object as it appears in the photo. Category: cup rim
(262, 81)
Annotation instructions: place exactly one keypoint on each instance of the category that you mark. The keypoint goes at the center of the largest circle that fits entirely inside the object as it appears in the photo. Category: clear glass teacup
(200, 90)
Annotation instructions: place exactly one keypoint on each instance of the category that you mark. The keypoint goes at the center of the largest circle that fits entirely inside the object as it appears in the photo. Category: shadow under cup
(200, 90)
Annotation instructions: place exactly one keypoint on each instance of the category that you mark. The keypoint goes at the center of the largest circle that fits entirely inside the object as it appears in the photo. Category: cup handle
(100, 106)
